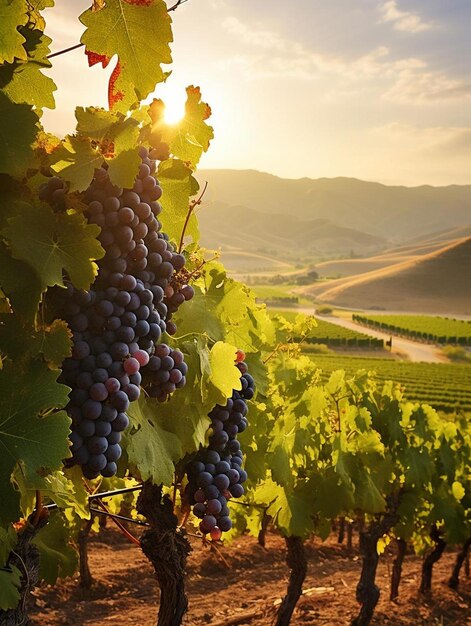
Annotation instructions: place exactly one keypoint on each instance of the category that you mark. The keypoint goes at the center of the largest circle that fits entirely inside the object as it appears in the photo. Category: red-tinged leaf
(94, 59)
(114, 94)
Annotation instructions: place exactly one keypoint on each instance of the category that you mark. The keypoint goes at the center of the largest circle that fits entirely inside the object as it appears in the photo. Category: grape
(118, 323)
(216, 475)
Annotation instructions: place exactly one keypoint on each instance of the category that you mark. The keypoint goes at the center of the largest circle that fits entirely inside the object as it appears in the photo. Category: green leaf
(178, 186)
(57, 558)
(140, 34)
(8, 539)
(95, 122)
(23, 81)
(290, 508)
(119, 137)
(192, 134)
(458, 490)
(13, 13)
(226, 310)
(53, 243)
(76, 160)
(39, 442)
(124, 165)
(225, 376)
(54, 342)
(20, 283)
(17, 134)
(10, 583)
(150, 448)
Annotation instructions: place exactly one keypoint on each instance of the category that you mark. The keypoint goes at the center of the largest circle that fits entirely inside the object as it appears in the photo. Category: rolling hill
(414, 249)
(436, 282)
(396, 213)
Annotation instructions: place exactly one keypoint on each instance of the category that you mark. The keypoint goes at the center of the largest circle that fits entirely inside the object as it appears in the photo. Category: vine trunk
(297, 562)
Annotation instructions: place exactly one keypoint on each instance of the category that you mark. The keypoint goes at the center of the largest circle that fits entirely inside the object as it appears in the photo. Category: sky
(374, 89)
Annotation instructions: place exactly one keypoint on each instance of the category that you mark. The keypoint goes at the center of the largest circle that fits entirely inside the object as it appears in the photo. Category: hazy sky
(376, 89)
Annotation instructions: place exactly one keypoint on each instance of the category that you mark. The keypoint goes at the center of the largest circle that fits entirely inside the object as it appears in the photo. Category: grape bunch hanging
(118, 324)
(216, 475)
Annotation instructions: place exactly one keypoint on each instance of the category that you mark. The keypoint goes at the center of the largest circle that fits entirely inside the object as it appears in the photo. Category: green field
(446, 387)
(423, 327)
(333, 335)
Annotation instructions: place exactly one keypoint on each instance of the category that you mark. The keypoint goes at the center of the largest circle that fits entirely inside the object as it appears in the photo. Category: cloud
(403, 20)
(436, 141)
(268, 54)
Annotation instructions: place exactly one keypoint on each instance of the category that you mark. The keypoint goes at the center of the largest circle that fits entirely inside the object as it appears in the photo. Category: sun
(174, 100)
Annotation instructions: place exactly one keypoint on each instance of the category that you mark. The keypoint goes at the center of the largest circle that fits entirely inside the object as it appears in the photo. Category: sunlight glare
(174, 100)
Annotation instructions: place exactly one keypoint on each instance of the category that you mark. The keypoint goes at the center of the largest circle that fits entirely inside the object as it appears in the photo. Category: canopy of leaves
(17, 134)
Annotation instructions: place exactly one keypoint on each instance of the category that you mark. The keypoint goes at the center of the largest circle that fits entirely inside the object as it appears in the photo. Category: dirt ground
(125, 592)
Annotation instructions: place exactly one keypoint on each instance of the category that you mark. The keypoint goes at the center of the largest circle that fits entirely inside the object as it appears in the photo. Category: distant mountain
(392, 213)
(437, 282)
(284, 237)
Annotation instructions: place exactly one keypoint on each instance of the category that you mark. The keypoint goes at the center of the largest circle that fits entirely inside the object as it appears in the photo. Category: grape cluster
(118, 323)
(216, 475)
(165, 372)
(54, 192)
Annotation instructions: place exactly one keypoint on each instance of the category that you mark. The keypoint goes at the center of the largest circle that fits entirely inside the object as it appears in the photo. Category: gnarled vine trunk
(367, 592)
(397, 568)
(460, 559)
(297, 562)
(25, 557)
(430, 559)
(167, 548)
(86, 579)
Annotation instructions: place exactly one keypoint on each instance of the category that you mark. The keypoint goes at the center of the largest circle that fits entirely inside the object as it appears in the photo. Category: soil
(125, 591)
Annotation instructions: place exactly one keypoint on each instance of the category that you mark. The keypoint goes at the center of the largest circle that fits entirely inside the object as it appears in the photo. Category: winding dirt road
(413, 350)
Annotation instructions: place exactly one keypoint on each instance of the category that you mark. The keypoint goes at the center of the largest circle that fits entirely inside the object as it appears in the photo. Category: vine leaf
(24, 295)
(139, 32)
(76, 160)
(38, 442)
(8, 539)
(178, 186)
(58, 558)
(193, 134)
(17, 134)
(226, 310)
(190, 137)
(150, 448)
(53, 242)
(54, 342)
(224, 375)
(23, 80)
(10, 583)
(12, 15)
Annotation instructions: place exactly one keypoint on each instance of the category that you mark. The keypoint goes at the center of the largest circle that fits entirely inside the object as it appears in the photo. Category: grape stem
(213, 547)
(80, 45)
(191, 208)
